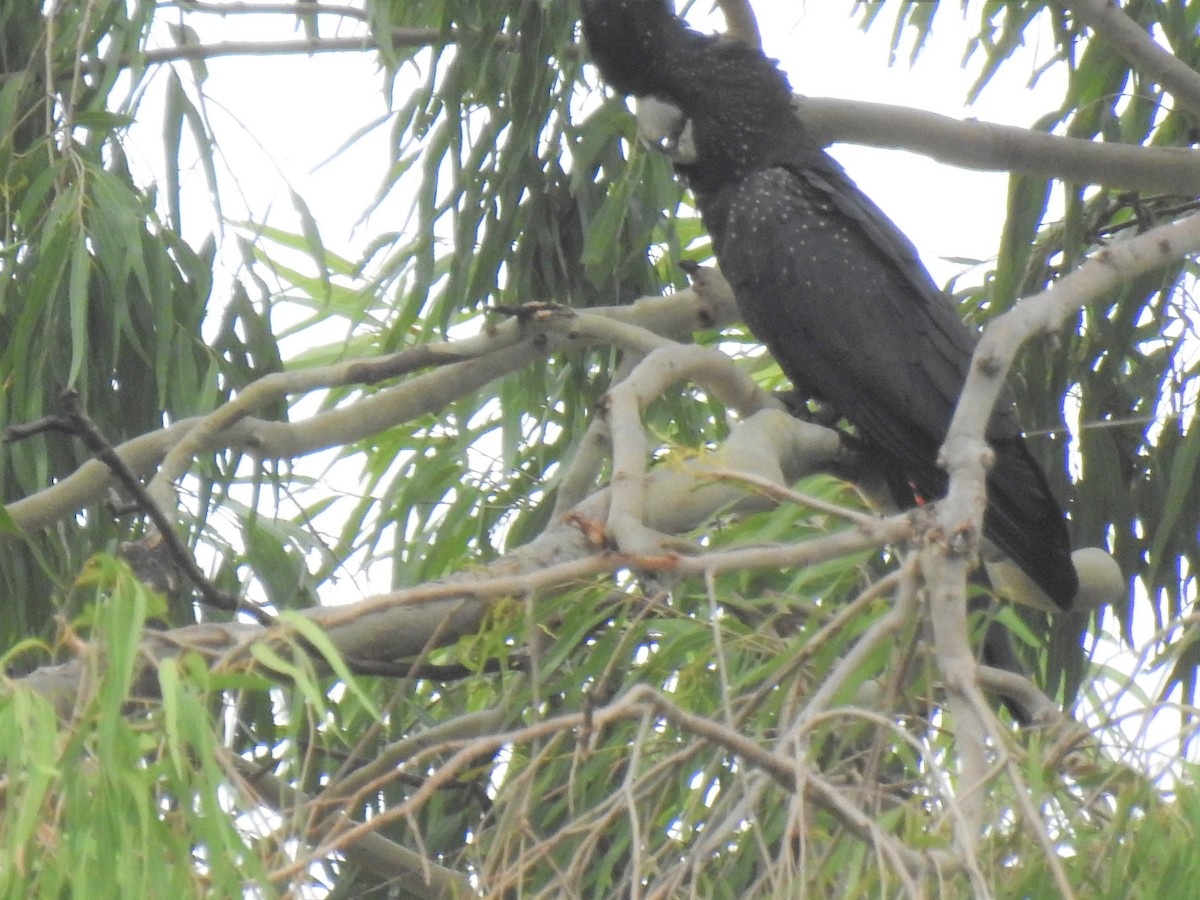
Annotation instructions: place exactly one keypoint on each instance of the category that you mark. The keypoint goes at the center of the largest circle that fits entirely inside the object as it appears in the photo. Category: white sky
(279, 118)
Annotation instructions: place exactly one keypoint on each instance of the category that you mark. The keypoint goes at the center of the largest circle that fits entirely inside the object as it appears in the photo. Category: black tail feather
(1026, 523)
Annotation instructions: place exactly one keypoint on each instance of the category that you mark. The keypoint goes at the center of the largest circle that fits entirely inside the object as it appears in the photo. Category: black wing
(822, 276)
(842, 301)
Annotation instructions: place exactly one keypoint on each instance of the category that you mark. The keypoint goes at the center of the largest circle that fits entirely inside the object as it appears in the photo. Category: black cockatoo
(821, 275)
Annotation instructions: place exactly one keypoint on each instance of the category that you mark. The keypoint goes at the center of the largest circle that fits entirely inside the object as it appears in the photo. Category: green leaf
(77, 300)
(312, 633)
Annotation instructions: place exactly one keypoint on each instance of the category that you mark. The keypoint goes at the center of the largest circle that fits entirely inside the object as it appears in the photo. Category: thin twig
(374, 852)
(77, 422)
(290, 9)
(634, 705)
(789, 495)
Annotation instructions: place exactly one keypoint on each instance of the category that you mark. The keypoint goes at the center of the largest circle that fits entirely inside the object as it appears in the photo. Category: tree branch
(964, 452)
(465, 365)
(946, 587)
(989, 147)
(1138, 48)
(969, 144)
(790, 773)
(740, 22)
(661, 370)
(397, 37)
(300, 10)
(1040, 708)
(951, 546)
(401, 624)
(298, 46)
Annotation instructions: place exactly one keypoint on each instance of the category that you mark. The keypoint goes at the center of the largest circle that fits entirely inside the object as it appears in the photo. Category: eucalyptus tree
(489, 558)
